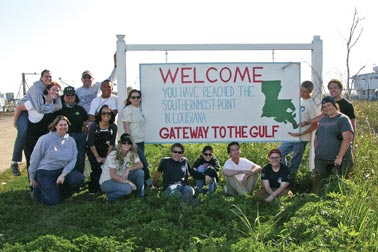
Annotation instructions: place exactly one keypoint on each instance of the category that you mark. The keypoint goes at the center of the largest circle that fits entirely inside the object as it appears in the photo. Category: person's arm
(277, 192)
(353, 121)
(58, 103)
(229, 172)
(265, 183)
(92, 111)
(316, 119)
(35, 160)
(113, 139)
(313, 127)
(347, 139)
(36, 99)
(155, 180)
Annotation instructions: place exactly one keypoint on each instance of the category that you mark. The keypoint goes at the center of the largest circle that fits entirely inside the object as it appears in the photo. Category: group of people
(87, 115)
(57, 132)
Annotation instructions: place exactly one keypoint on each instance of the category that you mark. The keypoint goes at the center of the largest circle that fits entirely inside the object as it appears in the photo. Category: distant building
(366, 85)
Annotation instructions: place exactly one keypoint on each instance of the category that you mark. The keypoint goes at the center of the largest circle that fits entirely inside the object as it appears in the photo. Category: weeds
(342, 218)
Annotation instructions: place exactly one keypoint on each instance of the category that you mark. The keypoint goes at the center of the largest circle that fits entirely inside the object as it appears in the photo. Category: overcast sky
(71, 36)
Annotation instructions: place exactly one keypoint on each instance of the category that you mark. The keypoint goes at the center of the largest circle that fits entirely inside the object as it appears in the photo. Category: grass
(342, 218)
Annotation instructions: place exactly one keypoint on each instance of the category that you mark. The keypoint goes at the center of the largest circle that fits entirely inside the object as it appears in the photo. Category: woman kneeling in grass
(51, 173)
(122, 172)
(275, 178)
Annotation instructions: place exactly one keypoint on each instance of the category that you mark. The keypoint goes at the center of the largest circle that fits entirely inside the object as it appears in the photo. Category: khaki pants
(234, 187)
(262, 194)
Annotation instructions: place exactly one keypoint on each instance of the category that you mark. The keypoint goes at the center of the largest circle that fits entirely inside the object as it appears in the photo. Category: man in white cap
(90, 90)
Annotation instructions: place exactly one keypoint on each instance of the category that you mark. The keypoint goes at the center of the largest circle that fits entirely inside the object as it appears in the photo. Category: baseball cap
(329, 99)
(86, 72)
(125, 138)
(69, 91)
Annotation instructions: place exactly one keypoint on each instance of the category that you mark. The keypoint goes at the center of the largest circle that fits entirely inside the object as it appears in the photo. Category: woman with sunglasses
(122, 172)
(101, 141)
(275, 178)
(133, 124)
(205, 170)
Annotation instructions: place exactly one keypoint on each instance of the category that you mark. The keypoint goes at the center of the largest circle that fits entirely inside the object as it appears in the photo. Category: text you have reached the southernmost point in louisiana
(220, 101)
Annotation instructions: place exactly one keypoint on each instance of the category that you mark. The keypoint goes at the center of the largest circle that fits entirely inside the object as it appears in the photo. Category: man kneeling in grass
(175, 170)
(240, 174)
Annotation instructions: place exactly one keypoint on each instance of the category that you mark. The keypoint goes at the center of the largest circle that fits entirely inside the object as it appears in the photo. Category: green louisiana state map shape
(282, 110)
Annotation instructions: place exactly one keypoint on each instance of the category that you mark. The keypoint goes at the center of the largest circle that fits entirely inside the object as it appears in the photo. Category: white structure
(316, 48)
(366, 85)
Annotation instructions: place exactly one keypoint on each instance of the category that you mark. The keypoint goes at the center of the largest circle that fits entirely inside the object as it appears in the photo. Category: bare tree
(355, 33)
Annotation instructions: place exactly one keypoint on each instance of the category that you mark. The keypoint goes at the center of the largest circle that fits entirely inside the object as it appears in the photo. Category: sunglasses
(127, 142)
(106, 113)
(177, 152)
(208, 154)
(135, 97)
(69, 95)
(87, 77)
(274, 158)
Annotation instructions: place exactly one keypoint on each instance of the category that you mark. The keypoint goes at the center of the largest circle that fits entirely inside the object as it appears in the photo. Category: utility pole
(24, 83)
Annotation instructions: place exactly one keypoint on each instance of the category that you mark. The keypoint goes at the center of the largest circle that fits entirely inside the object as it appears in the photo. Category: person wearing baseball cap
(90, 90)
(333, 144)
(275, 178)
(78, 128)
(122, 172)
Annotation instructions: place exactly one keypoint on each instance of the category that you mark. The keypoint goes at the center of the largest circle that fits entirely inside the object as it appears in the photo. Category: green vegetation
(342, 218)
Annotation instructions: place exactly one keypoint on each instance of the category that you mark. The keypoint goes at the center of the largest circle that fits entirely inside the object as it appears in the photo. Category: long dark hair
(98, 115)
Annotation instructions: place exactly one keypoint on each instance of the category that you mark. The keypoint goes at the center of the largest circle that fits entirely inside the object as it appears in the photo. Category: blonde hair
(118, 155)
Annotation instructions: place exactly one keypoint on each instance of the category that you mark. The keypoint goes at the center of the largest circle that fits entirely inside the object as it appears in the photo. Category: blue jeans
(115, 190)
(183, 192)
(212, 187)
(22, 131)
(49, 193)
(80, 139)
(143, 160)
(298, 148)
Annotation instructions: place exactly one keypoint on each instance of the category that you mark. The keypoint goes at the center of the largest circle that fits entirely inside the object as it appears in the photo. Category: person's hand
(338, 161)
(61, 178)
(100, 160)
(270, 198)
(125, 174)
(33, 183)
(133, 186)
(57, 107)
(208, 179)
(294, 134)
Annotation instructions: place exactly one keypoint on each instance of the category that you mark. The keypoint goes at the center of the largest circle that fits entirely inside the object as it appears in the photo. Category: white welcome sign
(220, 102)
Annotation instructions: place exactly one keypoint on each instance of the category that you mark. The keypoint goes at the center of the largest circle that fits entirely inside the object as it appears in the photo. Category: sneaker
(15, 170)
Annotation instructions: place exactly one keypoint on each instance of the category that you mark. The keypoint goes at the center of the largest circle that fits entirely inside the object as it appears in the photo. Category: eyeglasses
(106, 113)
(87, 77)
(177, 152)
(135, 97)
(127, 142)
(275, 158)
(208, 154)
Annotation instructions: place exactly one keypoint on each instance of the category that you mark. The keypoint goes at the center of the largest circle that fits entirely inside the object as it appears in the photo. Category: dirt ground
(7, 137)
